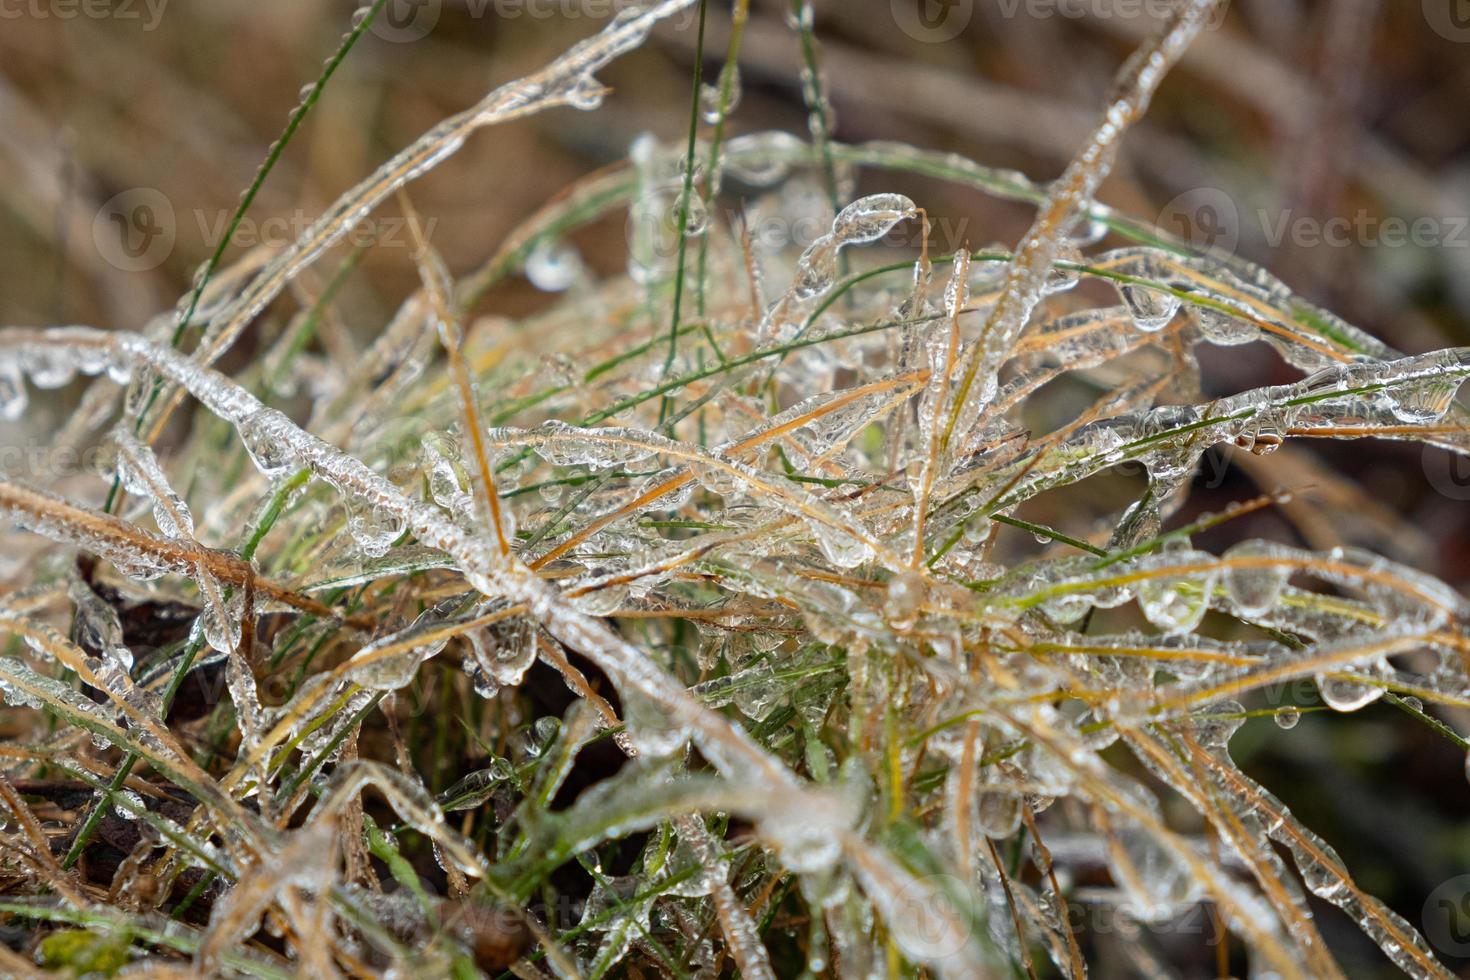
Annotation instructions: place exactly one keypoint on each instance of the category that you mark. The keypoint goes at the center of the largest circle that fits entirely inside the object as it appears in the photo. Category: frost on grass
(757, 516)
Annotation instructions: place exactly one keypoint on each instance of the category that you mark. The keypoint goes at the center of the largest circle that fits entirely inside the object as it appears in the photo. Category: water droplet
(1223, 329)
(1151, 309)
(977, 531)
(1287, 717)
(1065, 273)
(1346, 695)
(696, 216)
(1254, 586)
(1067, 608)
(709, 97)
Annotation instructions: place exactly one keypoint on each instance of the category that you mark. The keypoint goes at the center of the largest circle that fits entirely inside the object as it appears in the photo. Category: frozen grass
(695, 625)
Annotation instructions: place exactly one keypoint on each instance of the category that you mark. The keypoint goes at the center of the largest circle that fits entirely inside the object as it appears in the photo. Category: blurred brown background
(1328, 141)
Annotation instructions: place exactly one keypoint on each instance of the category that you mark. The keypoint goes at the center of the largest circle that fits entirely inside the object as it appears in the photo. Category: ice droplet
(998, 812)
(709, 97)
(48, 367)
(762, 159)
(1065, 274)
(505, 651)
(586, 93)
(374, 529)
(696, 216)
(1254, 588)
(13, 396)
(1223, 329)
(649, 725)
(1176, 604)
(1151, 309)
(1217, 723)
(756, 690)
(261, 433)
(221, 619)
(839, 547)
(905, 599)
(1156, 882)
(709, 102)
(600, 448)
(553, 266)
(870, 218)
(1424, 402)
(603, 600)
(808, 837)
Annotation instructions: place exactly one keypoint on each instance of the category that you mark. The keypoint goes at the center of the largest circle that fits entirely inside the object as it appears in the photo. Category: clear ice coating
(795, 549)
